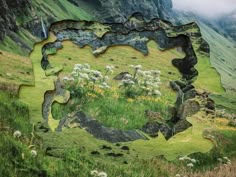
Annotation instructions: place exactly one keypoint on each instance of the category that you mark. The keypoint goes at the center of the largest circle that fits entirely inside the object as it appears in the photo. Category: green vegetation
(60, 10)
(187, 142)
(75, 160)
(119, 104)
(15, 71)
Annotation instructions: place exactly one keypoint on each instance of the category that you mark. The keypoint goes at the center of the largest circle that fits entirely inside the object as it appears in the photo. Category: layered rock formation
(9, 11)
(120, 10)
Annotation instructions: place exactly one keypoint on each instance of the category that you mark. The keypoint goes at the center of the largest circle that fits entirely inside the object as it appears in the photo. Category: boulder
(181, 126)
(188, 108)
(120, 76)
(99, 131)
(152, 129)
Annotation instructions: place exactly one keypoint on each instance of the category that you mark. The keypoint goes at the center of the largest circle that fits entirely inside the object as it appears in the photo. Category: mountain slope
(22, 25)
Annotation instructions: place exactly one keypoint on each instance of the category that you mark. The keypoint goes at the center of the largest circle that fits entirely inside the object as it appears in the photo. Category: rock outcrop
(9, 11)
(115, 11)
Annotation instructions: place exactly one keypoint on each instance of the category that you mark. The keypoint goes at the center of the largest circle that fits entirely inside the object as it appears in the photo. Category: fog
(206, 8)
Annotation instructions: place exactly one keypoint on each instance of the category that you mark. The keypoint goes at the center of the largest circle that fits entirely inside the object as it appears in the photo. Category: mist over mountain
(211, 9)
(219, 15)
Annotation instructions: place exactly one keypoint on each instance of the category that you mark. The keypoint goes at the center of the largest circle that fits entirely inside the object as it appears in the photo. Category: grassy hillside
(71, 55)
(15, 71)
(223, 59)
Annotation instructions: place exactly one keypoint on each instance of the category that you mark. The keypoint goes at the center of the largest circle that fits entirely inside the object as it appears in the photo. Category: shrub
(141, 83)
(84, 81)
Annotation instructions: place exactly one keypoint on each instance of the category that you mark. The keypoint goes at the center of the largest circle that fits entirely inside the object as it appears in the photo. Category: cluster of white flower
(146, 81)
(224, 160)
(96, 173)
(17, 134)
(33, 153)
(190, 161)
(85, 77)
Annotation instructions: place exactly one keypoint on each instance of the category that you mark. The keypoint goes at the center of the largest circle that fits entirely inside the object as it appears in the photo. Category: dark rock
(173, 114)
(120, 76)
(181, 126)
(9, 10)
(111, 59)
(210, 104)
(232, 123)
(125, 148)
(134, 58)
(106, 147)
(152, 129)
(125, 162)
(189, 94)
(42, 127)
(204, 47)
(113, 154)
(99, 131)
(95, 153)
(188, 108)
(171, 73)
(117, 144)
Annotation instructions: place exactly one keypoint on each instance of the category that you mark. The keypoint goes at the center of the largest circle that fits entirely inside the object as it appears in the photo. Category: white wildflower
(220, 159)
(94, 172)
(157, 92)
(147, 73)
(84, 76)
(86, 70)
(138, 67)
(106, 78)
(65, 78)
(97, 73)
(190, 165)
(156, 72)
(33, 153)
(102, 174)
(131, 66)
(193, 161)
(226, 158)
(187, 158)
(108, 68)
(17, 134)
(74, 74)
(87, 66)
(94, 79)
(178, 175)
(127, 76)
(104, 85)
(78, 66)
(128, 81)
(181, 159)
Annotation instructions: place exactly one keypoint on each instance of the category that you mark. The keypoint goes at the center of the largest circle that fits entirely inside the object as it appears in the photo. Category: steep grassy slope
(30, 27)
(223, 55)
(222, 58)
(15, 71)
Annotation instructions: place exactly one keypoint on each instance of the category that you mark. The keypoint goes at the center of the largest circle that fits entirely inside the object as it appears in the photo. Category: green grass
(113, 112)
(61, 10)
(187, 142)
(226, 101)
(15, 71)
(73, 146)
(11, 46)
